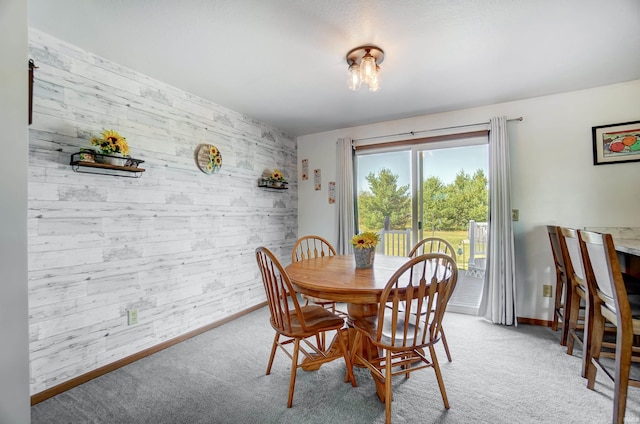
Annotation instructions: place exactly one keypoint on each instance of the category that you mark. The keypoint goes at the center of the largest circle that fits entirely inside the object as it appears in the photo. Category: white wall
(176, 244)
(554, 180)
(14, 357)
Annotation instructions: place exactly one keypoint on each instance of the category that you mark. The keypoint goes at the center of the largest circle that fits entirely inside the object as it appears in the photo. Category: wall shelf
(92, 163)
(284, 187)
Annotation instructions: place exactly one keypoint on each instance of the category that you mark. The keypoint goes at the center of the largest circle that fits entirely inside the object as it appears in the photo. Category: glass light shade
(364, 67)
(367, 68)
(374, 81)
(354, 77)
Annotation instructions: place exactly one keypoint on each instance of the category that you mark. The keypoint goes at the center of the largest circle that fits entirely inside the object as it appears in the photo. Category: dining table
(626, 241)
(337, 278)
(628, 249)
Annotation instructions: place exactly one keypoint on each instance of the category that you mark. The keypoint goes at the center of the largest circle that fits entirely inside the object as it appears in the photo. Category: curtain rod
(434, 129)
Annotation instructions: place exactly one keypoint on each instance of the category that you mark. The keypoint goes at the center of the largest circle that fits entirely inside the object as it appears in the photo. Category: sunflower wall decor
(111, 143)
(209, 158)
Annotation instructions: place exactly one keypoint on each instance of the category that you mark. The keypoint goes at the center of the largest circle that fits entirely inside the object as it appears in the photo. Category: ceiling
(283, 61)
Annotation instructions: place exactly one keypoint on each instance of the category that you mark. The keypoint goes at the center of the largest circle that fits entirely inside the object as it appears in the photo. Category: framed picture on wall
(616, 143)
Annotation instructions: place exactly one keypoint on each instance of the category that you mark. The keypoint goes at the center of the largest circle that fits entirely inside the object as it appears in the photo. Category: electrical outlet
(546, 290)
(132, 316)
(515, 214)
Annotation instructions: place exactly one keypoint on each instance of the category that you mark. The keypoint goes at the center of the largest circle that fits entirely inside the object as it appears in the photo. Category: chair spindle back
(281, 296)
(309, 247)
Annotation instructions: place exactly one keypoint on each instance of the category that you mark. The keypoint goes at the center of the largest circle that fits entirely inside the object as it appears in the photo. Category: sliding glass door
(453, 204)
(433, 189)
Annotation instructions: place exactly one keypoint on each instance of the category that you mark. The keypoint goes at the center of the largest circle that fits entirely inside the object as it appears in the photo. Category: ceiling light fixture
(364, 67)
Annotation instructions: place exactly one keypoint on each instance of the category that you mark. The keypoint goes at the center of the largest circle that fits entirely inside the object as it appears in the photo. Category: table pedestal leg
(357, 312)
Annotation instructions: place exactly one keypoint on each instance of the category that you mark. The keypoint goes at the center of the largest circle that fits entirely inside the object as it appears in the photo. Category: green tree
(434, 197)
(385, 199)
(450, 207)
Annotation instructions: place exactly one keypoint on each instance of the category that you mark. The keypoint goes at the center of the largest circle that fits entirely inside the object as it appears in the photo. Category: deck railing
(478, 232)
(394, 242)
(399, 243)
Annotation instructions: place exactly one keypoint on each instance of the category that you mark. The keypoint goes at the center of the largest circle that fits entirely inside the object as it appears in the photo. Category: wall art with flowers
(209, 158)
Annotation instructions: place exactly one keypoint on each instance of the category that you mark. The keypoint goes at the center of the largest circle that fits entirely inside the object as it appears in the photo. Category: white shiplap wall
(176, 244)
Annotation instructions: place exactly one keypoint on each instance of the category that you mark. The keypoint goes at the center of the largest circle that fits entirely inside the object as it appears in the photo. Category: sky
(443, 163)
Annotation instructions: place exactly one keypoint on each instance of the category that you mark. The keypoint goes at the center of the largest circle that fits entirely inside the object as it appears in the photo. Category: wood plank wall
(176, 244)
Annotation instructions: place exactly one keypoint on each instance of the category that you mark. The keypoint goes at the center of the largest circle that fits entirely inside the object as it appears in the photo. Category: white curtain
(498, 302)
(345, 197)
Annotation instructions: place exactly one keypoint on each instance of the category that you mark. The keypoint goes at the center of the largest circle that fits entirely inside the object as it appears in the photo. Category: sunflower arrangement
(110, 143)
(365, 240)
(277, 176)
(215, 159)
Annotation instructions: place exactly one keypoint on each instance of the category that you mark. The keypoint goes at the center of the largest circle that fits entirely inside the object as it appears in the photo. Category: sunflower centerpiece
(113, 145)
(364, 248)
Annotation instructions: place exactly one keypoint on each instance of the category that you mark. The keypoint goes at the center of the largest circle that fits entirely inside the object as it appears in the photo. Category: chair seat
(316, 318)
(634, 303)
(371, 328)
(611, 316)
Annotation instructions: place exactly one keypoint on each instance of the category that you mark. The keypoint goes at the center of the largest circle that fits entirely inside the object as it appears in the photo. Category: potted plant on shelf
(277, 179)
(364, 248)
(113, 145)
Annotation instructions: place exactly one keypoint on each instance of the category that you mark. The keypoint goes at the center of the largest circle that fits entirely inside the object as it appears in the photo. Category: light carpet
(498, 375)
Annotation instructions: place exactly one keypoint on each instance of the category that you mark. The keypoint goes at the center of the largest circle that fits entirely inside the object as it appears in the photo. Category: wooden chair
(308, 247)
(425, 282)
(562, 299)
(436, 245)
(577, 295)
(610, 305)
(297, 323)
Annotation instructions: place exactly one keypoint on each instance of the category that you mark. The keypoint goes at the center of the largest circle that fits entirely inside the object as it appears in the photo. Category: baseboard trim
(63, 387)
(532, 321)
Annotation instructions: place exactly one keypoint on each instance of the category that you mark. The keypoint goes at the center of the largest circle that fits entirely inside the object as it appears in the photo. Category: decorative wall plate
(209, 158)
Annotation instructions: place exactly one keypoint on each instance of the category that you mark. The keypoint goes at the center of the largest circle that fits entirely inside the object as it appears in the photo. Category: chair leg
(566, 311)
(624, 344)
(294, 369)
(436, 368)
(387, 387)
(355, 347)
(347, 361)
(444, 343)
(587, 340)
(596, 332)
(573, 313)
(557, 303)
(320, 339)
(273, 352)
